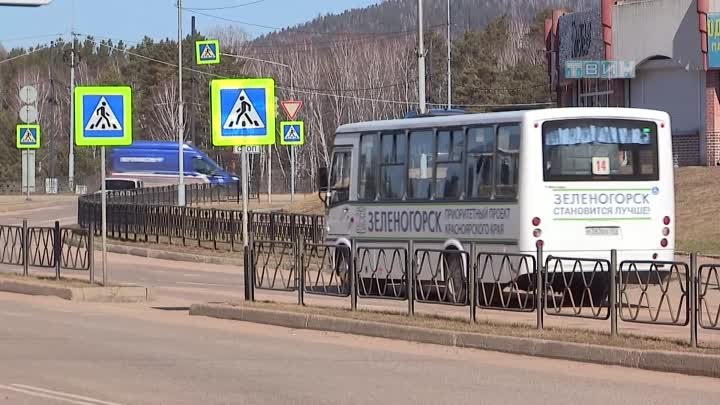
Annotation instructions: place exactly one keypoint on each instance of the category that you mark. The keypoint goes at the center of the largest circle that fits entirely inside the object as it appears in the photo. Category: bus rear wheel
(455, 280)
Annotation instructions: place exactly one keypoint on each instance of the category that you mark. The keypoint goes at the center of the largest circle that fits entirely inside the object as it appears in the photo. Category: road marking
(204, 284)
(56, 395)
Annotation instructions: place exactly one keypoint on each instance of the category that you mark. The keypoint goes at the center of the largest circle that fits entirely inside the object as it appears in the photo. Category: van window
(201, 166)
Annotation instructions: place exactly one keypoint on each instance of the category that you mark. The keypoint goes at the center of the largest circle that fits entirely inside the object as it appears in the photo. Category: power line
(225, 7)
(23, 55)
(13, 39)
(318, 93)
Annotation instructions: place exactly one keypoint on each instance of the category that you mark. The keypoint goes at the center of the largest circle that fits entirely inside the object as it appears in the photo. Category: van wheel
(455, 280)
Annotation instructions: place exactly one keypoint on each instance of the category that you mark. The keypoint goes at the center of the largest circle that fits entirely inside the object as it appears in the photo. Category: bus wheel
(597, 292)
(342, 270)
(455, 283)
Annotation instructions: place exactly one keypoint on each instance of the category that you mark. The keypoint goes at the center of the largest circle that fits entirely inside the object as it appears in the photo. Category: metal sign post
(105, 276)
(293, 133)
(103, 117)
(292, 136)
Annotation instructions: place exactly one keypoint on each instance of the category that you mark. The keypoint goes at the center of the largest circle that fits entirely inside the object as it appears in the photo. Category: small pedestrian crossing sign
(207, 52)
(28, 136)
(243, 112)
(293, 133)
(103, 116)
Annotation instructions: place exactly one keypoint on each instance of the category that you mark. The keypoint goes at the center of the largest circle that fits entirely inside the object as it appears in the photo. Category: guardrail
(47, 247)
(149, 215)
(653, 292)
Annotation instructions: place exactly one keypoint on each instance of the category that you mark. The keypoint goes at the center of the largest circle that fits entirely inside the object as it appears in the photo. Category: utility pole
(421, 60)
(71, 154)
(181, 137)
(193, 108)
(449, 59)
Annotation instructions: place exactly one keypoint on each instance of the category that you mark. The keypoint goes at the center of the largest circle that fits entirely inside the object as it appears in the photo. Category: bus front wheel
(455, 280)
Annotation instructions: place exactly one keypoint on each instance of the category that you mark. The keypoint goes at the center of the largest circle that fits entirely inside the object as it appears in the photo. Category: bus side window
(420, 167)
(449, 158)
(507, 166)
(480, 151)
(367, 182)
(392, 166)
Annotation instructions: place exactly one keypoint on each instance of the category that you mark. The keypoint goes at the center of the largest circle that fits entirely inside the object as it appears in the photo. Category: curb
(169, 255)
(115, 294)
(653, 360)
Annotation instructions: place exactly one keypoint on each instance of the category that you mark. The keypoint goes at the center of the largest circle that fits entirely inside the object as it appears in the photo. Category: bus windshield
(600, 150)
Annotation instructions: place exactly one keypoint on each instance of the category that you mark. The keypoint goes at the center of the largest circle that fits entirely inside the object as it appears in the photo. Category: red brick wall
(686, 150)
(712, 117)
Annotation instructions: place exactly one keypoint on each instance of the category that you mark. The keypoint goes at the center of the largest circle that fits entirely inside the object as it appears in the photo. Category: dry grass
(697, 206)
(494, 328)
(302, 204)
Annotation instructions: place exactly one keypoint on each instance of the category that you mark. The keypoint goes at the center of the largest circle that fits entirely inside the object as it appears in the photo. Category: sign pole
(104, 219)
(245, 178)
(292, 174)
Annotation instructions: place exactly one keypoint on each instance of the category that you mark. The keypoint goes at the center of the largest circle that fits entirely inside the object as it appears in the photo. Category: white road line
(203, 284)
(40, 395)
(64, 395)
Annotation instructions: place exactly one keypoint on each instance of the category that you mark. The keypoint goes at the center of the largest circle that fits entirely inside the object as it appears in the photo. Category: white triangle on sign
(291, 108)
(243, 115)
(207, 53)
(292, 135)
(28, 137)
(103, 118)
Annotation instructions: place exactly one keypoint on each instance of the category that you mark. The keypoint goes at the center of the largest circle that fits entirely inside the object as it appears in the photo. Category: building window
(595, 93)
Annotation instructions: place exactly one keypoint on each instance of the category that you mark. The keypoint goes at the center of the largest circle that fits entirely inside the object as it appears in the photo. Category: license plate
(602, 231)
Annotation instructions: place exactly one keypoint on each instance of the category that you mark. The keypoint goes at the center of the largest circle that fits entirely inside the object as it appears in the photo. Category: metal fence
(653, 292)
(148, 215)
(46, 247)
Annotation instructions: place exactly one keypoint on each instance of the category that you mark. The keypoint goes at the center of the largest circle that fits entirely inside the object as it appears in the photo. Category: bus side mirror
(322, 179)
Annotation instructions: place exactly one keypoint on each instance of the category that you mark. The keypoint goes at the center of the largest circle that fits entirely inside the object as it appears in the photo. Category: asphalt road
(64, 211)
(57, 352)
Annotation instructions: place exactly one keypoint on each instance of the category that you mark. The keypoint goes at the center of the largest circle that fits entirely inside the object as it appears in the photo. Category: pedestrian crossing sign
(28, 136)
(293, 133)
(242, 112)
(103, 116)
(207, 52)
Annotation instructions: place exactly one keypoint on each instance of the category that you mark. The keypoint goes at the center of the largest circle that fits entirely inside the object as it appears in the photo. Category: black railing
(151, 215)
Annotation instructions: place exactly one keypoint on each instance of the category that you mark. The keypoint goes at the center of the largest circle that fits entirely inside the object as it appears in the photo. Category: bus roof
(499, 117)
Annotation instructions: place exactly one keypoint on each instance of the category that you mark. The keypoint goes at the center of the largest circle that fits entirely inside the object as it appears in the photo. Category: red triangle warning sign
(291, 108)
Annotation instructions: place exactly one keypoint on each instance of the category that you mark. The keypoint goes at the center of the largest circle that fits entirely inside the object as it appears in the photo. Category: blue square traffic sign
(243, 112)
(103, 116)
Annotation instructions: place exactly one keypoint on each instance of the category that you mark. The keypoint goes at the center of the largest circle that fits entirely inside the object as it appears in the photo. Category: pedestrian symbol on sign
(103, 118)
(243, 115)
(207, 53)
(28, 137)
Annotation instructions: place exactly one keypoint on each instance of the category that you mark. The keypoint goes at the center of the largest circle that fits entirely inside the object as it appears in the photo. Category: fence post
(539, 287)
(612, 296)
(25, 248)
(214, 228)
(693, 300)
(299, 272)
(472, 283)
(57, 246)
(353, 277)
(410, 277)
(91, 252)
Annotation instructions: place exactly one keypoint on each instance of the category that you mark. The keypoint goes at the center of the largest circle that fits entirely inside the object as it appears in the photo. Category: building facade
(662, 55)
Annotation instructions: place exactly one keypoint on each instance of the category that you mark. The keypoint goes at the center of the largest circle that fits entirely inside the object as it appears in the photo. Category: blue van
(156, 163)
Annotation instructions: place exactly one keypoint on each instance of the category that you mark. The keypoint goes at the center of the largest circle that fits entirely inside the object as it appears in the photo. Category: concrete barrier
(125, 294)
(654, 360)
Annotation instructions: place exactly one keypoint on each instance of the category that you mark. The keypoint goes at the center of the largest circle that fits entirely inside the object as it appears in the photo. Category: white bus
(576, 181)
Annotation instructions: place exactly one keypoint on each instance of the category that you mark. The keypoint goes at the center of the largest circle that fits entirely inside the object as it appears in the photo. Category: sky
(131, 20)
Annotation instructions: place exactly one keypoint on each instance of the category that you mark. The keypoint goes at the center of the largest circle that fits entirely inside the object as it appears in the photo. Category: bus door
(338, 217)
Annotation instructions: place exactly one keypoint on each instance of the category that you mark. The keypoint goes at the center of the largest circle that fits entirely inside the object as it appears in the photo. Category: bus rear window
(600, 150)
